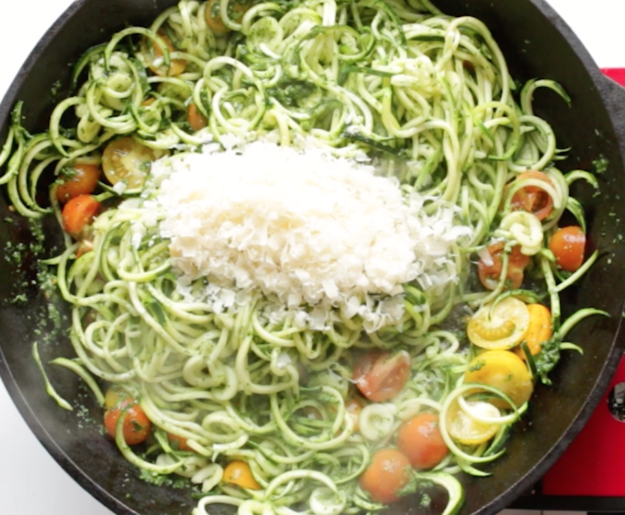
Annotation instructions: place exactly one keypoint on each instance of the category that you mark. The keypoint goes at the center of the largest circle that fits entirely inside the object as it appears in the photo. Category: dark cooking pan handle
(614, 96)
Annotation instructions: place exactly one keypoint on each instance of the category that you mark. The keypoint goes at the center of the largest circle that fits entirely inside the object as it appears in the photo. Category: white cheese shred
(312, 232)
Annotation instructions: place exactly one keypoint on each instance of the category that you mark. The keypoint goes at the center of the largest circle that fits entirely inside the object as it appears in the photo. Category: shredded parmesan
(312, 232)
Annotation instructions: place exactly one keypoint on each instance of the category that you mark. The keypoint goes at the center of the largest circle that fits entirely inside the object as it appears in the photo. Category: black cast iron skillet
(536, 43)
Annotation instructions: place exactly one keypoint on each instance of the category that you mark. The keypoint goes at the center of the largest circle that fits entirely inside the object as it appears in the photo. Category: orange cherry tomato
(420, 440)
(79, 212)
(83, 181)
(568, 245)
(239, 473)
(178, 443)
(380, 375)
(388, 472)
(196, 119)
(136, 426)
(155, 64)
(539, 331)
(236, 10)
(532, 198)
(489, 273)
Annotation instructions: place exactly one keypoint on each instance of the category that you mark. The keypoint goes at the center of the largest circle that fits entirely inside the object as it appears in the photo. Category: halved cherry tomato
(490, 271)
(79, 212)
(388, 472)
(196, 119)
(420, 440)
(155, 58)
(539, 331)
(239, 473)
(532, 198)
(178, 442)
(127, 160)
(465, 429)
(568, 245)
(505, 371)
(136, 425)
(83, 181)
(236, 10)
(380, 375)
(501, 326)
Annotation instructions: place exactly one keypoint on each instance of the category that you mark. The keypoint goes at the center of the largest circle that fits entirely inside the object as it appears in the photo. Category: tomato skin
(83, 182)
(532, 198)
(196, 119)
(79, 212)
(504, 370)
(420, 440)
(540, 330)
(388, 472)
(178, 442)
(489, 273)
(381, 375)
(137, 425)
(239, 473)
(568, 245)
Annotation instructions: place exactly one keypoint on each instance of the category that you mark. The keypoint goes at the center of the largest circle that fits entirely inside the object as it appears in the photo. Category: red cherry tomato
(136, 426)
(388, 472)
(532, 198)
(380, 376)
(489, 273)
(568, 245)
(420, 440)
(79, 212)
(83, 182)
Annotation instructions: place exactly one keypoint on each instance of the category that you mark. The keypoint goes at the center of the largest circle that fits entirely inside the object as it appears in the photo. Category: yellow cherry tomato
(501, 326)
(239, 473)
(114, 397)
(127, 160)
(505, 371)
(469, 430)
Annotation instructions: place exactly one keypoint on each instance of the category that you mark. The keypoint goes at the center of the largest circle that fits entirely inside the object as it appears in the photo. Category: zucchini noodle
(428, 99)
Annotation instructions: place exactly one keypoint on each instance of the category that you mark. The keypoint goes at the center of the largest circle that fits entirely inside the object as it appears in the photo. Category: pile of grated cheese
(313, 232)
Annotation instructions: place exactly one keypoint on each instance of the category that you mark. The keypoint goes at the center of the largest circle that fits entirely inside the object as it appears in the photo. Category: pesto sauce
(163, 480)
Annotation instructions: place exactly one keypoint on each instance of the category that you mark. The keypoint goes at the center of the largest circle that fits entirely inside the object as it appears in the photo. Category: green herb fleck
(547, 358)
(600, 165)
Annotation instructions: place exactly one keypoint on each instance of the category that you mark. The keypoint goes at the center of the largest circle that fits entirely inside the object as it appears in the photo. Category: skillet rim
(607, 94)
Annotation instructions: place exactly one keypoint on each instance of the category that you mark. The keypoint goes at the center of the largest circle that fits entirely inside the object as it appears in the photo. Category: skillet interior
(536, 44)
